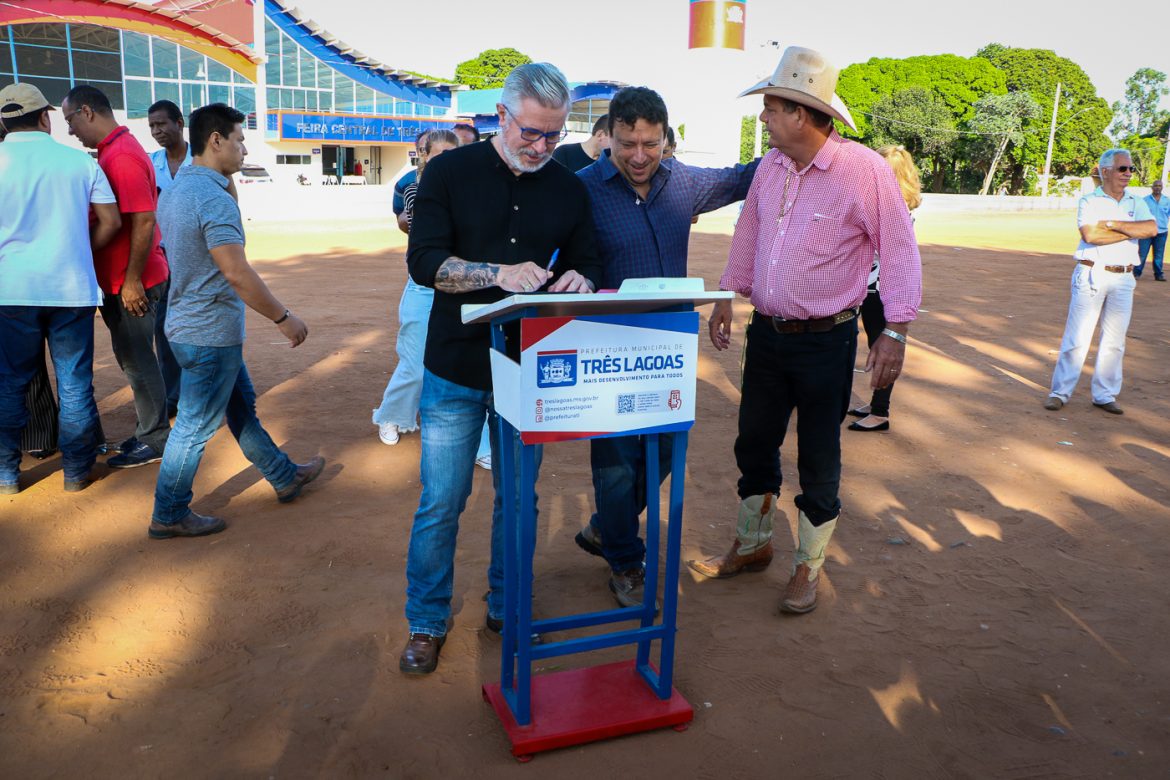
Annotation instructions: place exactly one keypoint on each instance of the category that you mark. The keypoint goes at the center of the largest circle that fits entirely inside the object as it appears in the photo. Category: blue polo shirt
(1161, 210)
(648, 238)
(162, 171)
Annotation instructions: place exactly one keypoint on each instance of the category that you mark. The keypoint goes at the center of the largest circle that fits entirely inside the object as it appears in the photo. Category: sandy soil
(995, 604)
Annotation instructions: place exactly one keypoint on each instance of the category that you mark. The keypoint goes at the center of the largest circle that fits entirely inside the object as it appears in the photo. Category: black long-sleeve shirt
(470, 205)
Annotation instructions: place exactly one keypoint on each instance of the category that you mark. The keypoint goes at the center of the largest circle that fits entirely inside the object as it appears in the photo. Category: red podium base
(585, 705)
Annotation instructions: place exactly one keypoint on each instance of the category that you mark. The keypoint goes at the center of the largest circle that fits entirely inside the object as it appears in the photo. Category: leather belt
(819, 325)
(1113, 269)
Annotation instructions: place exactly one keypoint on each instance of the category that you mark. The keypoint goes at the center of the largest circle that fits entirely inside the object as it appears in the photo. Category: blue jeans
(1158, 243)
(69, 331)
(171, 373)
(215, 381)
(619, 488)
(400, 401)
(452, 418)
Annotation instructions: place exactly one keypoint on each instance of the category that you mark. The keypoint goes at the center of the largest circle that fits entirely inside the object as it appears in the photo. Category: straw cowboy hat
(804, 76)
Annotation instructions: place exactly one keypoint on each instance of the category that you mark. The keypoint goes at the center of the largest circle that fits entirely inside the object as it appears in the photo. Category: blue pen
(553, 260)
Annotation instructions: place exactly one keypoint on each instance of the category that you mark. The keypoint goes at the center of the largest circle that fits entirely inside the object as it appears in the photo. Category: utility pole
(1166, 157)
(1051, 139)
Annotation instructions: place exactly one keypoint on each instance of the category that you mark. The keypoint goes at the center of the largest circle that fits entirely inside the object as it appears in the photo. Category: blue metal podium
(564, 708)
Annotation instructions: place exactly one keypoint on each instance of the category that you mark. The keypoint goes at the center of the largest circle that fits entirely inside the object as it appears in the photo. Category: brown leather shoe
(731, 564)
(306, 473)
(421, 654)
(800, 595)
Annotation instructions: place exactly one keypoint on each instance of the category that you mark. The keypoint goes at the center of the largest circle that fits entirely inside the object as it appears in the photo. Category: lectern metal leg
(670, 580)
(526, 543)
(653, 534)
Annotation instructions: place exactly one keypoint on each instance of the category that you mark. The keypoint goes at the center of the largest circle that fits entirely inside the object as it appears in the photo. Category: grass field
(1043, 231)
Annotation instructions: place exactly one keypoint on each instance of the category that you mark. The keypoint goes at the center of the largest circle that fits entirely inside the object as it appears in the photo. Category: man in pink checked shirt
(818, 209)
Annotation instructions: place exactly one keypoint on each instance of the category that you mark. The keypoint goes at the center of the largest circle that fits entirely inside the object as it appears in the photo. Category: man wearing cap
(1111, 221)
(818, 209)
(131, 270)
(642, 210)
(48, 288)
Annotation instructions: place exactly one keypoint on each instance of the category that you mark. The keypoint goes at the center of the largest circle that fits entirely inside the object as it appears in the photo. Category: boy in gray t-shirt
(211, 281)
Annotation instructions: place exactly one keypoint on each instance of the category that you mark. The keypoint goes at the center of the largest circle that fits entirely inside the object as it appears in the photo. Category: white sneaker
(388, 433)
(484, 462)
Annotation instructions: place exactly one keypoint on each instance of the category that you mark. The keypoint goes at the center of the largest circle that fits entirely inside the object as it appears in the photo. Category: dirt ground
(995, 603)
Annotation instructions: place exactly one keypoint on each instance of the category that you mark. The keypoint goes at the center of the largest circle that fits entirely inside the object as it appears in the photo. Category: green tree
(1147, 153)
(1001, 118)
(1082, 116)
(489, 69)
(1138, 114)
(917, 119)
(955, 83)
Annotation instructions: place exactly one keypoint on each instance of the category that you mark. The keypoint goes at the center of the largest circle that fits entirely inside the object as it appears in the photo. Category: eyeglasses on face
(532, 135)
(69, 117)
(1125, 168)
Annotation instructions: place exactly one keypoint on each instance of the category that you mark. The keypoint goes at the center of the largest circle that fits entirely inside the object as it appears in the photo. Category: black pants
(132, 339)
(40, 433)
(873, 318)
(811, 373)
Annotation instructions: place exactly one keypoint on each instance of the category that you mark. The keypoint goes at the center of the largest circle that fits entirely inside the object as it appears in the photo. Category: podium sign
(588, 376)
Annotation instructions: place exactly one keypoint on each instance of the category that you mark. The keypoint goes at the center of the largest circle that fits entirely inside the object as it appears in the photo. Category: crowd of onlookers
(155, 243)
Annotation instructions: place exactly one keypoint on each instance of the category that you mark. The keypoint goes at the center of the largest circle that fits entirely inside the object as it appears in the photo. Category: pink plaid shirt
(815, 260)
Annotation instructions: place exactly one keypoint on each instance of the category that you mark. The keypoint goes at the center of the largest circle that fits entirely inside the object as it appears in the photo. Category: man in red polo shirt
(131, 269)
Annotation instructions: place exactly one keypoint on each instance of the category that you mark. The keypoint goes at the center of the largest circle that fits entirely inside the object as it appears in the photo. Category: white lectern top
(635, 296)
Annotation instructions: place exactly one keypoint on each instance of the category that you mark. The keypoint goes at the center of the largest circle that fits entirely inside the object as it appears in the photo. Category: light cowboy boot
(752, 548)
(800, 595)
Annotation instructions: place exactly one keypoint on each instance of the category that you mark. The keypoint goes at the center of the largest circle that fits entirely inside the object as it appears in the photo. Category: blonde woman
(398, 412)
(875, 416)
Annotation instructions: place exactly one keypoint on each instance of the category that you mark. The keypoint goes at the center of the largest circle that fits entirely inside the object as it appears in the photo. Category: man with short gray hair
(488, 219)
(1111, 221)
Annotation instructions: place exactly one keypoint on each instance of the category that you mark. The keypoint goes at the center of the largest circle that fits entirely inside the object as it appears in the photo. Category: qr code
(625, 403)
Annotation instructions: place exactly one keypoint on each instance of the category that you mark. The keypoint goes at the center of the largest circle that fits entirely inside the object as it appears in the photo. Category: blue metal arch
(344, 64)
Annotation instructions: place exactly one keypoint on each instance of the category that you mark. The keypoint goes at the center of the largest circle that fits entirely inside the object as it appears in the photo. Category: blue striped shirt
(648, 238)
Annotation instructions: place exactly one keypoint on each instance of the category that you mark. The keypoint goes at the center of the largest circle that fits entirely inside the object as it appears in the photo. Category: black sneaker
(497, 628)
(589, 540)
(192, 525)
(140, 454)
(629, 587)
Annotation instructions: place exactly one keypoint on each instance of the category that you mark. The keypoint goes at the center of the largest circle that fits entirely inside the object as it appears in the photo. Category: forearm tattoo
(457, 276)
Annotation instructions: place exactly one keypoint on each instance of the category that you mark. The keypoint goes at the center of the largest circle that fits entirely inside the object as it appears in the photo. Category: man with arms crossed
(818, 209)
(211, 283)
(48, 288)
(642, 210)
(1111, 221)
(487, 220)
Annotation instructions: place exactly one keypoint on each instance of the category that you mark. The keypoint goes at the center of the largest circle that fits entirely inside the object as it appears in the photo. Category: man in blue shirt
(1160, 208)
(211, 284)
(642, 209)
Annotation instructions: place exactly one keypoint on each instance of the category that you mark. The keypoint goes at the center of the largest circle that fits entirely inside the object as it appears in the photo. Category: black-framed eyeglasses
(1126, 169)
(532, 135)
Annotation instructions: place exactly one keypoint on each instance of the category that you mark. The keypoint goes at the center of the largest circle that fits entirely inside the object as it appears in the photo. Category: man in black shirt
(578, 156)
(488, 218)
